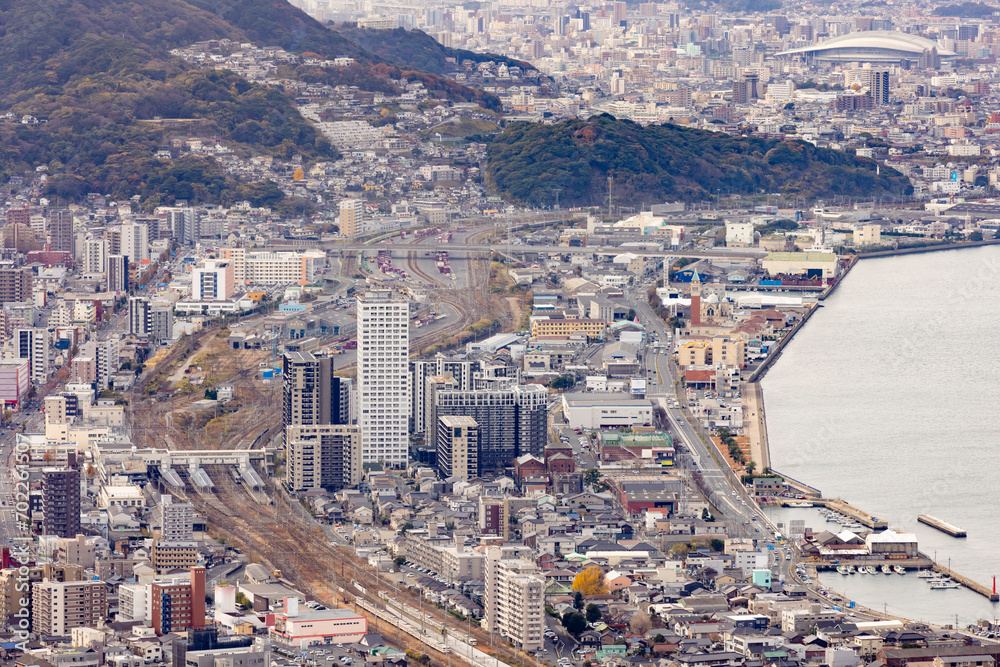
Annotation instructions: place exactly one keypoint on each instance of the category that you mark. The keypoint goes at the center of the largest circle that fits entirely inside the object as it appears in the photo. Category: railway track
(413, 265)
(275, 534)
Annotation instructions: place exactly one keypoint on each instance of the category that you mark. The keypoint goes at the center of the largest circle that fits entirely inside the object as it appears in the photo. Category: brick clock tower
(695, 300)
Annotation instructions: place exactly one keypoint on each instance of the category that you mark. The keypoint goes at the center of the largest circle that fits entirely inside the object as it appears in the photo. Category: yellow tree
(590, 581)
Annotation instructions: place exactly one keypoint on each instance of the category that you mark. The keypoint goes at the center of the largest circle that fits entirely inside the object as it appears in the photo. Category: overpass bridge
(604, 251)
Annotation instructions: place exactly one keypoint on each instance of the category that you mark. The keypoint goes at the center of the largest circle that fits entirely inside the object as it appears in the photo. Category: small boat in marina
(925, 574)
(872, 570)
(898, 569)
(842, 569)
(886, 569)
(946, 583)
(862, 570)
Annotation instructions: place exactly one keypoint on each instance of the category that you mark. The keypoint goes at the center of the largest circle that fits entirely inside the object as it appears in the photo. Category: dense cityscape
(430, 334)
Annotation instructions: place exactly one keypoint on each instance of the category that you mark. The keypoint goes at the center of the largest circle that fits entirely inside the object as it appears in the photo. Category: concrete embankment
(759, 373)
(847, 509)
(754, 424)
(985, 591)
(756, 376)
(929, 248)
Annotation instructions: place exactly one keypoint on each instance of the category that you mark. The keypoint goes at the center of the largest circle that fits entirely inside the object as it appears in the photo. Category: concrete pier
(845, 508)
(943, 526)
(754, 425)
(985, 591)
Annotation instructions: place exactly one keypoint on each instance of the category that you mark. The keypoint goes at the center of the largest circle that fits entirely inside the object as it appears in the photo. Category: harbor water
(888, 399)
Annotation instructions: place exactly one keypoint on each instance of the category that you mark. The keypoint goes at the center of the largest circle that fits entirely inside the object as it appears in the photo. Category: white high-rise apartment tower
(384, 377)
(95, 258)
(135, 242)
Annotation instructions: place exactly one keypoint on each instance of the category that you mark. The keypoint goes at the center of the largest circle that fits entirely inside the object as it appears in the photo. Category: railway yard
(267, 522)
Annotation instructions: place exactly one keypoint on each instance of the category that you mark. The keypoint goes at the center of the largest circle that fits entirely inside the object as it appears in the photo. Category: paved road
(723, 488)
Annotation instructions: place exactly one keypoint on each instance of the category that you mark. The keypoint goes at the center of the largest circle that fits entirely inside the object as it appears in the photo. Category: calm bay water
(890, 399)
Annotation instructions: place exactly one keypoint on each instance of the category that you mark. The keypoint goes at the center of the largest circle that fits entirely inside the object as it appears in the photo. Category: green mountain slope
(417, 49)
(99, 72)
(665, 162)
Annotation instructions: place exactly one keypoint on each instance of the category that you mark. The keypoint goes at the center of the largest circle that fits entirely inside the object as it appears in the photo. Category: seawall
(754, 379)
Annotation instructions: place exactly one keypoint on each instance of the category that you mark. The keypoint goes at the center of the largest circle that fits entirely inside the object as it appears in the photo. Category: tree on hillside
(590, 581)
(593, 613)
(574, 622)
(641, 623)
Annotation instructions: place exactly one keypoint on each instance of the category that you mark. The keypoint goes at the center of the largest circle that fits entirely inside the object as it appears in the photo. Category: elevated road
(733, 253)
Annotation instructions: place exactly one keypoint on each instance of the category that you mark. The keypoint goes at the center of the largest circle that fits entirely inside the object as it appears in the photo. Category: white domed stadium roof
(877, 46)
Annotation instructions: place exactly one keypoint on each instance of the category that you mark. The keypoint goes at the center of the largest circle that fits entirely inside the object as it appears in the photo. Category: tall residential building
(95, 256)
(19, 216)
(58, 607)
(461, 370)
(619, 13)
(61, 501)
(161, 321)
(153, 320)
(512, 419)
(324, 456)
(61, 230)
(238, 258)
(113, 237)
(139, 316)
(213, 281)
(176, 520)
(179, 606)
(457, 446)
(322, 450)
(351, 212)
(16, 285)
(383, 377)
(13, 591)
(513, 605)
(878, 86)
(118, 273)
(33, 345)
(184, 225)
(135, 242)
(107, 359)
(745, 89)
(274, 268)
(311, 394)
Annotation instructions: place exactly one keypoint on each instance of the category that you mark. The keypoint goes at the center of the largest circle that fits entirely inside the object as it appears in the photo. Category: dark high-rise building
(312, 394)
(16, 285)
(511, 418)
(118, 277)
(61, 501)
(745, 89)
(61, 230)
(854, 102)
(322, 450)
(878, 86)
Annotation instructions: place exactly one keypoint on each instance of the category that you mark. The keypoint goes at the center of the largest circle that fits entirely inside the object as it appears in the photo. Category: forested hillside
(667, 162)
